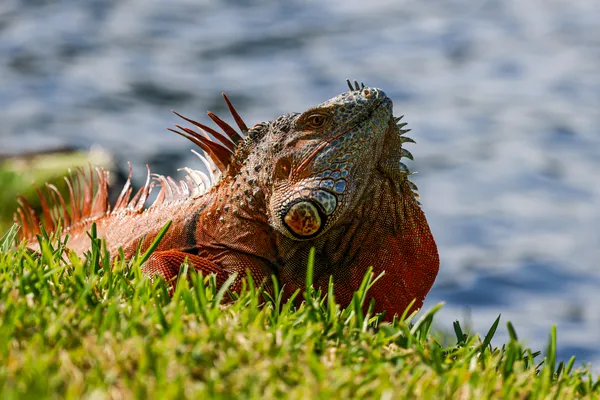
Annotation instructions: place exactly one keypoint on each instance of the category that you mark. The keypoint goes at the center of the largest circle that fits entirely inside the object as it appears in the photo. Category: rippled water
(502, 96)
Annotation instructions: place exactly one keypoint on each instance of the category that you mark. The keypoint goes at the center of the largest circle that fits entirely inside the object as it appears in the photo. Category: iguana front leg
(167, 264)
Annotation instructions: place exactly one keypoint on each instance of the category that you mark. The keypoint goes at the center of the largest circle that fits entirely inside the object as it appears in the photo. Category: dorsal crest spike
(46, 210)
(223, 140)
(144, 191)
(221, 149)
(233, 135)
(238, 120)
(60, 200)
(123, 198)
(219, 156)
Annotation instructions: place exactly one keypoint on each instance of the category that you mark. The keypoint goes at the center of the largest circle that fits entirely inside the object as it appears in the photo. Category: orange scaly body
(330, 178)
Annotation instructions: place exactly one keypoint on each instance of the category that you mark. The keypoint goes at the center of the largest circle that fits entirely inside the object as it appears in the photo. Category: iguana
(330, 178)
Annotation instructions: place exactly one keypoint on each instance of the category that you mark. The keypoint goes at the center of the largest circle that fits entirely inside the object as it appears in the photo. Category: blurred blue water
(502, 96)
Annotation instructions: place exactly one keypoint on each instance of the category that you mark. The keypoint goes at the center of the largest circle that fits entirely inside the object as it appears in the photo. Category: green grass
(81, 327)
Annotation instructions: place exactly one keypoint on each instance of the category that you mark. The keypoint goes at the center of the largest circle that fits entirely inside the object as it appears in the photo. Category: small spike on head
(349, 85)
(355, 86)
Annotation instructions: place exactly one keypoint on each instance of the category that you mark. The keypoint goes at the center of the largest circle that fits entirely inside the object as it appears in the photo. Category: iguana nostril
(303, 219)
(367, 93)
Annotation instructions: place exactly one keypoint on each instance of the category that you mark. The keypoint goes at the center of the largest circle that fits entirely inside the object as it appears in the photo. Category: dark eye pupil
(317, 120)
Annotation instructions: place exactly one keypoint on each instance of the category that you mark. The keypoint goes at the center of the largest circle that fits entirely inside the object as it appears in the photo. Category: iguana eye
(316, 120)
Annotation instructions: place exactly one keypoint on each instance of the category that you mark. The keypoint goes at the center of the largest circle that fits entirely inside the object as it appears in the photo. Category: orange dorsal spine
(88, 191)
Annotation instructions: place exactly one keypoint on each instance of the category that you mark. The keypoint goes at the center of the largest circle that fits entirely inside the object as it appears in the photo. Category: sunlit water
(503, 98)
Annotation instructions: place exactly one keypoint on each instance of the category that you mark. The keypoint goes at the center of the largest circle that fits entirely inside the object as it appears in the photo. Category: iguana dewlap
(329, 178)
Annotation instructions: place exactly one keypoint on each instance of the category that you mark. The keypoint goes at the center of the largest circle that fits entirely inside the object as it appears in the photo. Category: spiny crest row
(88, 191)
(406, 154)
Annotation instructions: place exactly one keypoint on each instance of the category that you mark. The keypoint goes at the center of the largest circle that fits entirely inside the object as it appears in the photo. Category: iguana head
(333, 180)
(322, 160)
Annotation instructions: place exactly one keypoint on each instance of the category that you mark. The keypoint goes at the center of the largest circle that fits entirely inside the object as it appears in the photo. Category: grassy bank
(79, 327)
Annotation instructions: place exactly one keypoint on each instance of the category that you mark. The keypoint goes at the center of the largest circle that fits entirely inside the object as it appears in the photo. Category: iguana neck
(235, 219)
(388, 232)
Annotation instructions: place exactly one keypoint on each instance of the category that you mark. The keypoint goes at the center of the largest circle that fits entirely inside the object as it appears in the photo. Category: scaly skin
(330, 178)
